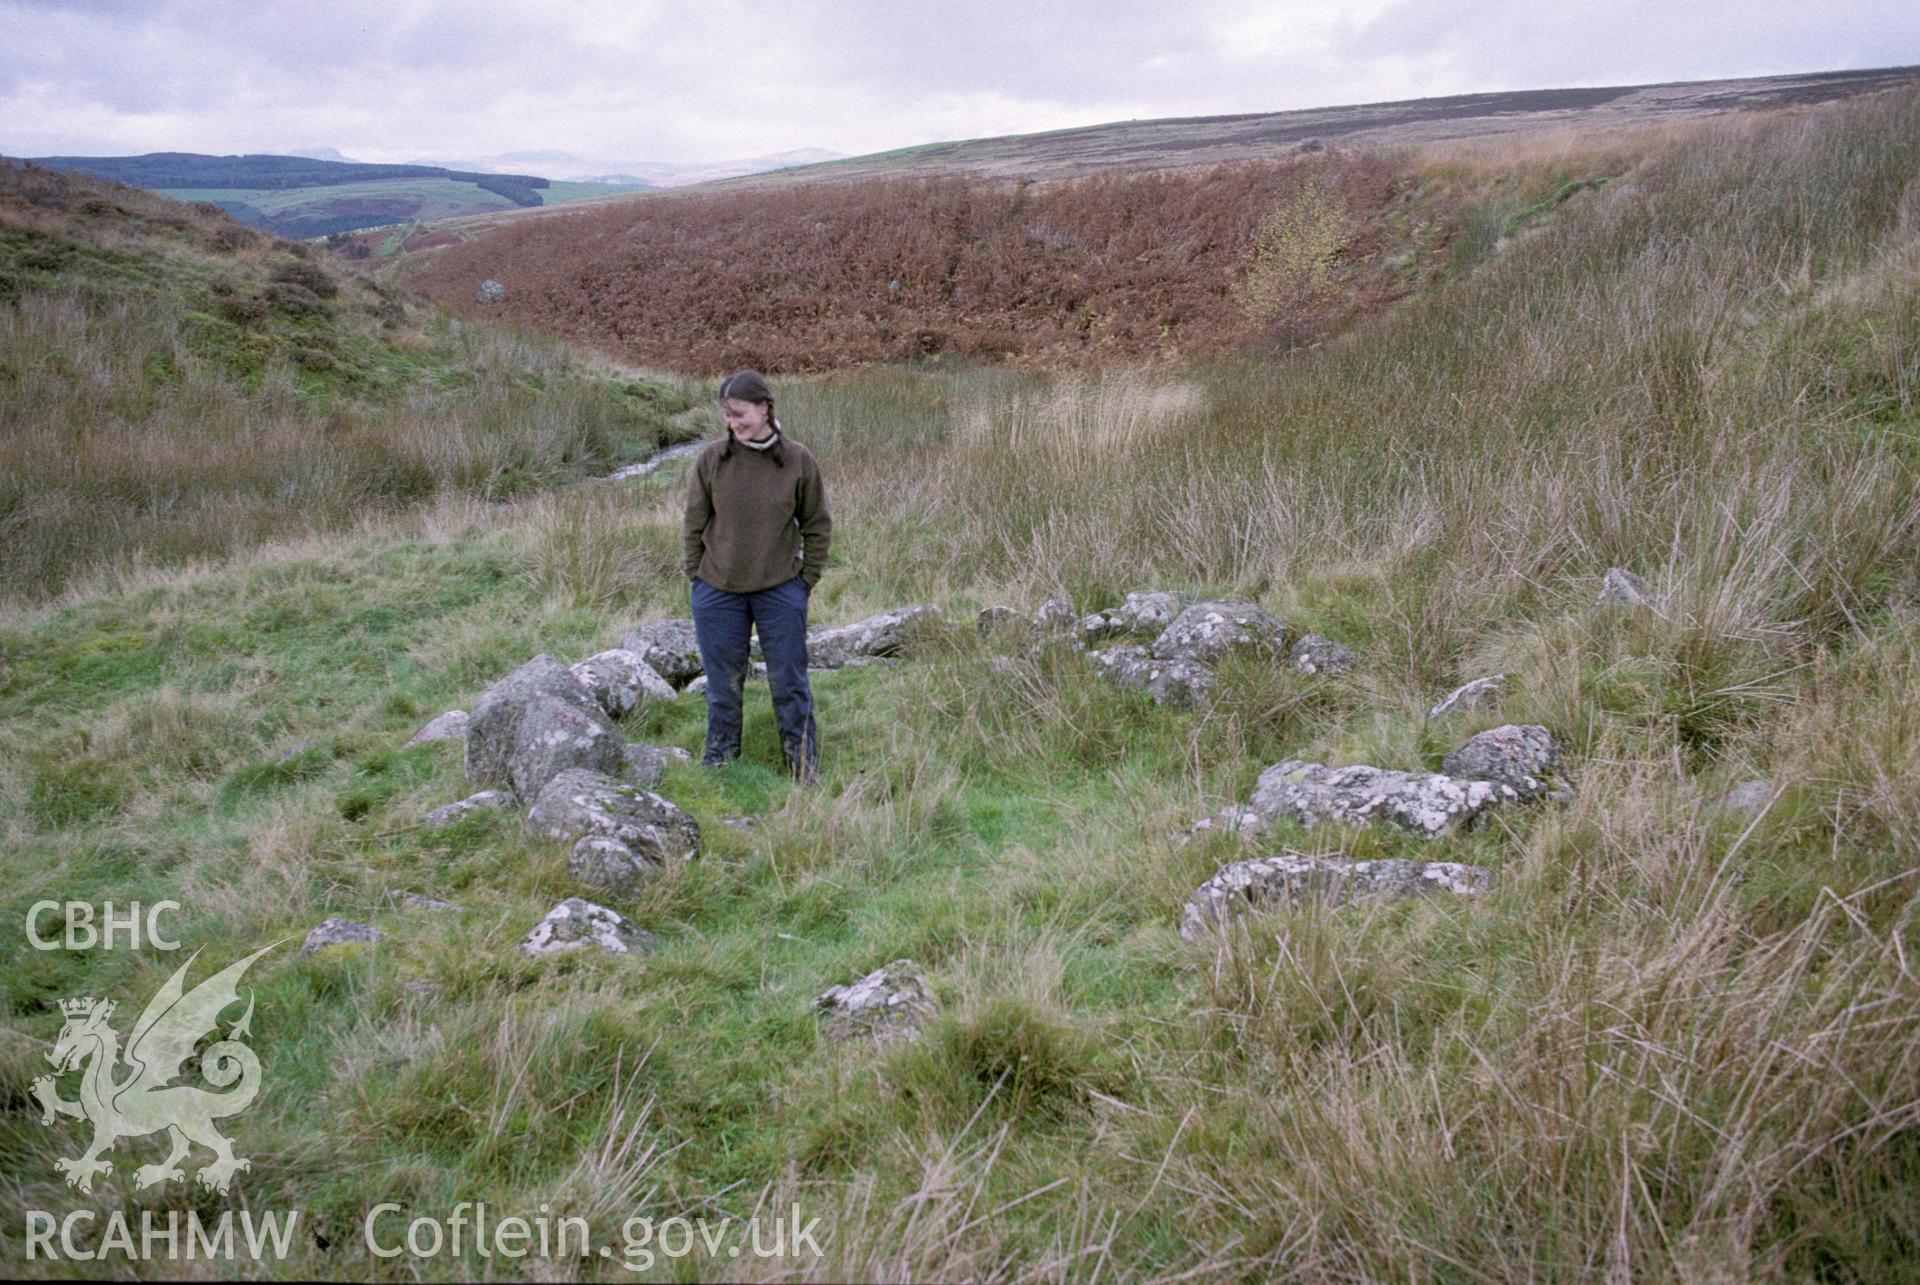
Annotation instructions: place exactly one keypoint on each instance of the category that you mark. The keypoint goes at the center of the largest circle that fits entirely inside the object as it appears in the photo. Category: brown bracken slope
(1122, 242)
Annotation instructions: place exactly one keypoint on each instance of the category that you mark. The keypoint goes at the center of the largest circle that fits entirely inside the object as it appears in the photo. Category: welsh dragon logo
(142, 1100)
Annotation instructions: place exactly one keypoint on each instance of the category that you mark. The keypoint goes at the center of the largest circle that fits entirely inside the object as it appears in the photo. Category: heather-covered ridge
(1108, 269)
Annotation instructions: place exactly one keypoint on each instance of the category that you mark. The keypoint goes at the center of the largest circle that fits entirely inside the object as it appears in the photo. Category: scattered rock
(1149, 610)
(1206, 631)
(1622, 588)
(1521, 756)
(1480, 694)
(1293, 877)
(414, 901)
(1316, 655)
(1423, 803)
(338, 932)
(577, 923)
(605, 864)
(994, 621)
(1055, 617)
(1178, 683)
(1749, 798)
(450, 726)
(670, 647)
(889, 1003)
(555, 735)
(444, 816)
(1099, 627)
(533, 723)
(578, 802)
(619, 680)
(647, 764)
(756, 672)
(490, 292)
(881, 635)
(741, 823)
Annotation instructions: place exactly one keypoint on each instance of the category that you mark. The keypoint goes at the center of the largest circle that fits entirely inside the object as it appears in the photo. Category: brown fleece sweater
(756, 518)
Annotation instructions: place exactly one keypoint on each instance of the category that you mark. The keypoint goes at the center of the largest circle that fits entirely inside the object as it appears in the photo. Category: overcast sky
(633, 80)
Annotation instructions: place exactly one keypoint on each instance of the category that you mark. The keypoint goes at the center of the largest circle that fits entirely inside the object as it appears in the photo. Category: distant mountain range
(566, 165)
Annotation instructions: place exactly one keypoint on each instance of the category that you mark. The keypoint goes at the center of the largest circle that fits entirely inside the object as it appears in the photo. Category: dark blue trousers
(724, 623)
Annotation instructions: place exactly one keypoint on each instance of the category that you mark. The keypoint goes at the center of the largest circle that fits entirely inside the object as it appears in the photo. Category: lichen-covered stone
(485, 800)
(995, 620)
(577, 924)
(1149, 611)
(605, 864)
(450, 726)
(1622, 588)
(339, 932)
(1480, 694)
(1292, 877)
(620, 680)
(1099, 627)
(1316, 655)
(881, 635)
(1055, 617)
(1522, 756)
(1208, 631)
(414, 901)
(889, 1003)
(647, 764)
(1424, 803)
(1179, 683)
(670, 647)
(579, 802)
(532, 723)
(554, 735)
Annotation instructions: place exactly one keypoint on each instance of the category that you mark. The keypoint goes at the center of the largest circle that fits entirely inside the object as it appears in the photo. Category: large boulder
(1293, 877)
(577, 802)
(620, 680)
(1178, 683)
(533, 723)
(1424, 803)
(881, 635)
(1207, 631)
(889, 1003)
(554, 735)
(670, 647)
(578, 924)
(1521, 756)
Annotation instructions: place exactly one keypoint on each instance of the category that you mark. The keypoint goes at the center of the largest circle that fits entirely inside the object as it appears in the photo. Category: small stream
(641, 468)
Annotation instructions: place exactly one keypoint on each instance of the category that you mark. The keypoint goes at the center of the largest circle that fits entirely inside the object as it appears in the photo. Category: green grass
(410, 198)
(1670, 1043)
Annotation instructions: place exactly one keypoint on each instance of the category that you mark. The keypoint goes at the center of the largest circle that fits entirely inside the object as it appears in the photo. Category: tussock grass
(1674, 1042)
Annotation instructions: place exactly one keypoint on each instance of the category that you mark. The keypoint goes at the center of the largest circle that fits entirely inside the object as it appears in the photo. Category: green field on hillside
(430, 198)
(1673, 1040)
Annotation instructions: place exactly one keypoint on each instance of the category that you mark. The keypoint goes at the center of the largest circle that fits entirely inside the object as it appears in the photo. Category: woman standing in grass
(756, 536)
